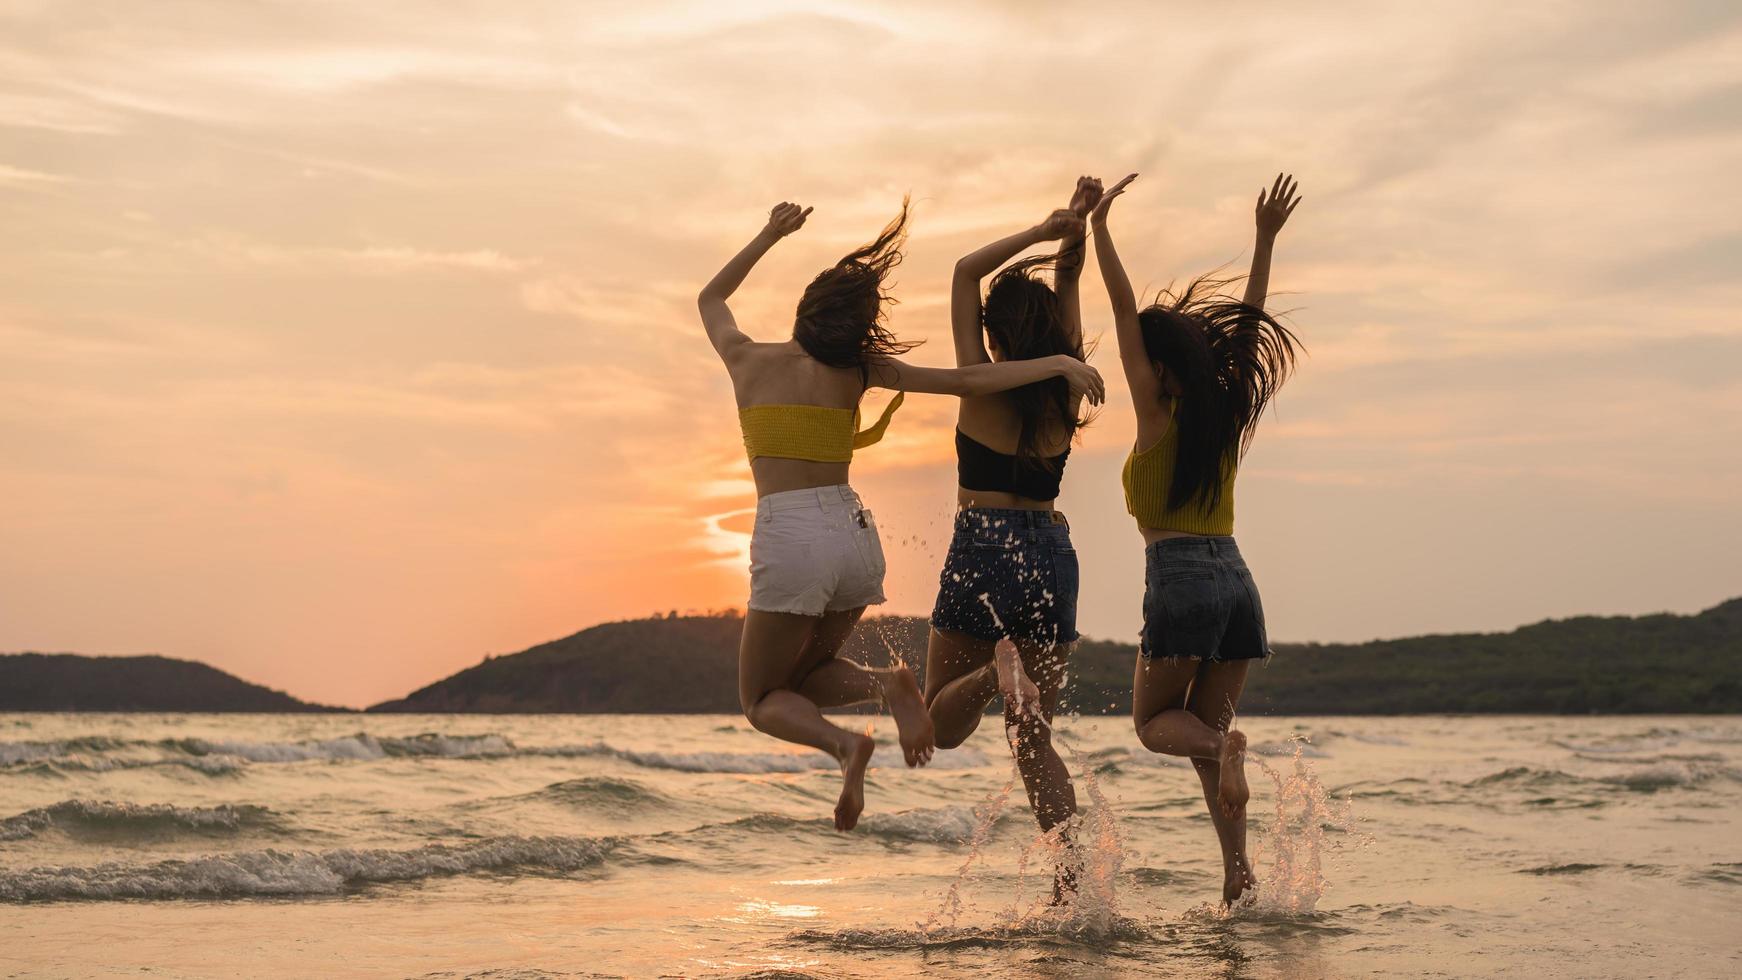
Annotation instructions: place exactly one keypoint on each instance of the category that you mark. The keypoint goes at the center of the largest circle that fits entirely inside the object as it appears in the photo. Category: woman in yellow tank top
(815, 558)
(1202, 368)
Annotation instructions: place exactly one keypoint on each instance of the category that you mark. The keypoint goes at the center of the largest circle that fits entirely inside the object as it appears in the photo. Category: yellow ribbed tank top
(810, 432)
(1149, 473)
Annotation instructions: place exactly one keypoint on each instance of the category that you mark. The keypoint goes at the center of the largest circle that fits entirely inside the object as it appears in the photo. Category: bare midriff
(1152, 535)
(966, 498)
(776, 475)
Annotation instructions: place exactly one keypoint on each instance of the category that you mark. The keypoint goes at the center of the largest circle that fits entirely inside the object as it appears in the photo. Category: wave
(949, 825)
(599, 791)
(271, 873)
(1724, 874)
(749, 763)
(1646, 779)
(1042, 929)
(1166, 877)
(1523, 776)
(1652, 739)
(61, 765)
(223, 756)
(359, 747)
(1386, 740)
(1289, 747)
(942, 825)
(1670, 775)
(1572, 868)
(91, 817)
(13, 753)
(1579, 868)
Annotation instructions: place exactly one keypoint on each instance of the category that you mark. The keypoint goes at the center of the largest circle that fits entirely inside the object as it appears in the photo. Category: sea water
(637, 846)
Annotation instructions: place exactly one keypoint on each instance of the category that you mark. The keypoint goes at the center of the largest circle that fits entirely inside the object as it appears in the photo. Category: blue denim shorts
(1199, 602)
(1010, 573)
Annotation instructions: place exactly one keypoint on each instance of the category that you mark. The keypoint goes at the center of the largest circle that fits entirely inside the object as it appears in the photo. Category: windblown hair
(1229, 359)
(840, 315)
(1023, 317)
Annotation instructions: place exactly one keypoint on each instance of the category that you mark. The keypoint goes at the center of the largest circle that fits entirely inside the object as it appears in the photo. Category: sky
(342, 344)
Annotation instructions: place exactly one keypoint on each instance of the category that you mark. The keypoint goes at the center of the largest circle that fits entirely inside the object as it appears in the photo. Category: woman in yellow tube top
(815, 559)
(1202, 368)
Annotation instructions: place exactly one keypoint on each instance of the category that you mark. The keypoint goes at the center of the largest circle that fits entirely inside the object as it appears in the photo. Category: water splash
(1089, 851)
(986, 814)
(1299, 836)
(895, 657)
(1083, 853)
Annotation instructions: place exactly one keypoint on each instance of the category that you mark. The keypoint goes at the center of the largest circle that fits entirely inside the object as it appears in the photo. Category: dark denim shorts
(1199, 602)
(1010, 573)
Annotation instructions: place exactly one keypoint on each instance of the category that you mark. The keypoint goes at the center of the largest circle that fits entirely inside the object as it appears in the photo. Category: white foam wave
(1289, 748)
(276, 873)
(357, 747)
(103, 815)
(221, 756)
(940, 825)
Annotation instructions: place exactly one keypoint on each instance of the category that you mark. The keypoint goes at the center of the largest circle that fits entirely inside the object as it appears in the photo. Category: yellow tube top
(1148, 475)
(810, 432)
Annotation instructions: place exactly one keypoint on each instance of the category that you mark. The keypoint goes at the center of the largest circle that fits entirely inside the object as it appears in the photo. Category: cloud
(26, 177)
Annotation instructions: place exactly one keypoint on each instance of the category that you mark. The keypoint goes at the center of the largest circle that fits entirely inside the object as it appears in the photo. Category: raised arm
(1273, 210)
(982, 262)
(989, 378)
(1139, 375)
(1069, 264)
(717, 317)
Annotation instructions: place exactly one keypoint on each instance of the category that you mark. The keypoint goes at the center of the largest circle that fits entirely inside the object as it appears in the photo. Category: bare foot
(1236, 879)
(912, 721)
(852, 801)
(1064, 884)
(1232, 791)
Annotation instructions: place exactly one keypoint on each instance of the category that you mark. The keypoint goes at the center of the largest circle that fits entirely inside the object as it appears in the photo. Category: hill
(1662, 663)
(70, 682)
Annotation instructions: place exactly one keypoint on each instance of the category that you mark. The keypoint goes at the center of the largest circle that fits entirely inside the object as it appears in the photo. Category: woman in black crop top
(1006, 613)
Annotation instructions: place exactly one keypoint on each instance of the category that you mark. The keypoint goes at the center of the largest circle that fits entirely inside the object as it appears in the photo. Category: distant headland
(1663, 663)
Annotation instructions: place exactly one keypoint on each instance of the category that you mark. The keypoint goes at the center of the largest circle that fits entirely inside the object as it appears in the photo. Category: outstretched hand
(1084, 380)
(1086, 196)
(1061, 224)
(1099, 215)
(786, 218)
(1276, 204)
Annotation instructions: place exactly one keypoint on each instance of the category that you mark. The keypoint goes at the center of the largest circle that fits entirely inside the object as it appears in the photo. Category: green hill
(1648, 664)
(70, 682)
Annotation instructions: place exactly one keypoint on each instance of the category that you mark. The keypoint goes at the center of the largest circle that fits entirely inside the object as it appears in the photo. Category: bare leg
(1158, 708)
(768, 653)
(960, 682)
(830, 682)
(1213, 699)
(1044, 775)
(1186, 708)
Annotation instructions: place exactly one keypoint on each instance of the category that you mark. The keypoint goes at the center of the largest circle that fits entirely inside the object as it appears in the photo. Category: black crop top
(979, 467)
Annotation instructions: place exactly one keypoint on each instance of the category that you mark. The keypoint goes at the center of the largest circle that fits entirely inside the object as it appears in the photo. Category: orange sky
(343, 344)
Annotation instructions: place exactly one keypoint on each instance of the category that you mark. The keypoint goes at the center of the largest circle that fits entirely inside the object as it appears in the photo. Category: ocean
(691, 846)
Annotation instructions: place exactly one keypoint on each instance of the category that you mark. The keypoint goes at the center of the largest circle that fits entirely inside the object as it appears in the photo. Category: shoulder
(750, 361)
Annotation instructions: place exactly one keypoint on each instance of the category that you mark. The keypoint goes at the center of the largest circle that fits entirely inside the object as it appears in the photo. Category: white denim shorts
(814, 551)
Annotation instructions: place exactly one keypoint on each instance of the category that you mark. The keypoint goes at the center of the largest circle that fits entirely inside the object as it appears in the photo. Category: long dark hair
(1024, 319)
(1229, 359)
(840, 315)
